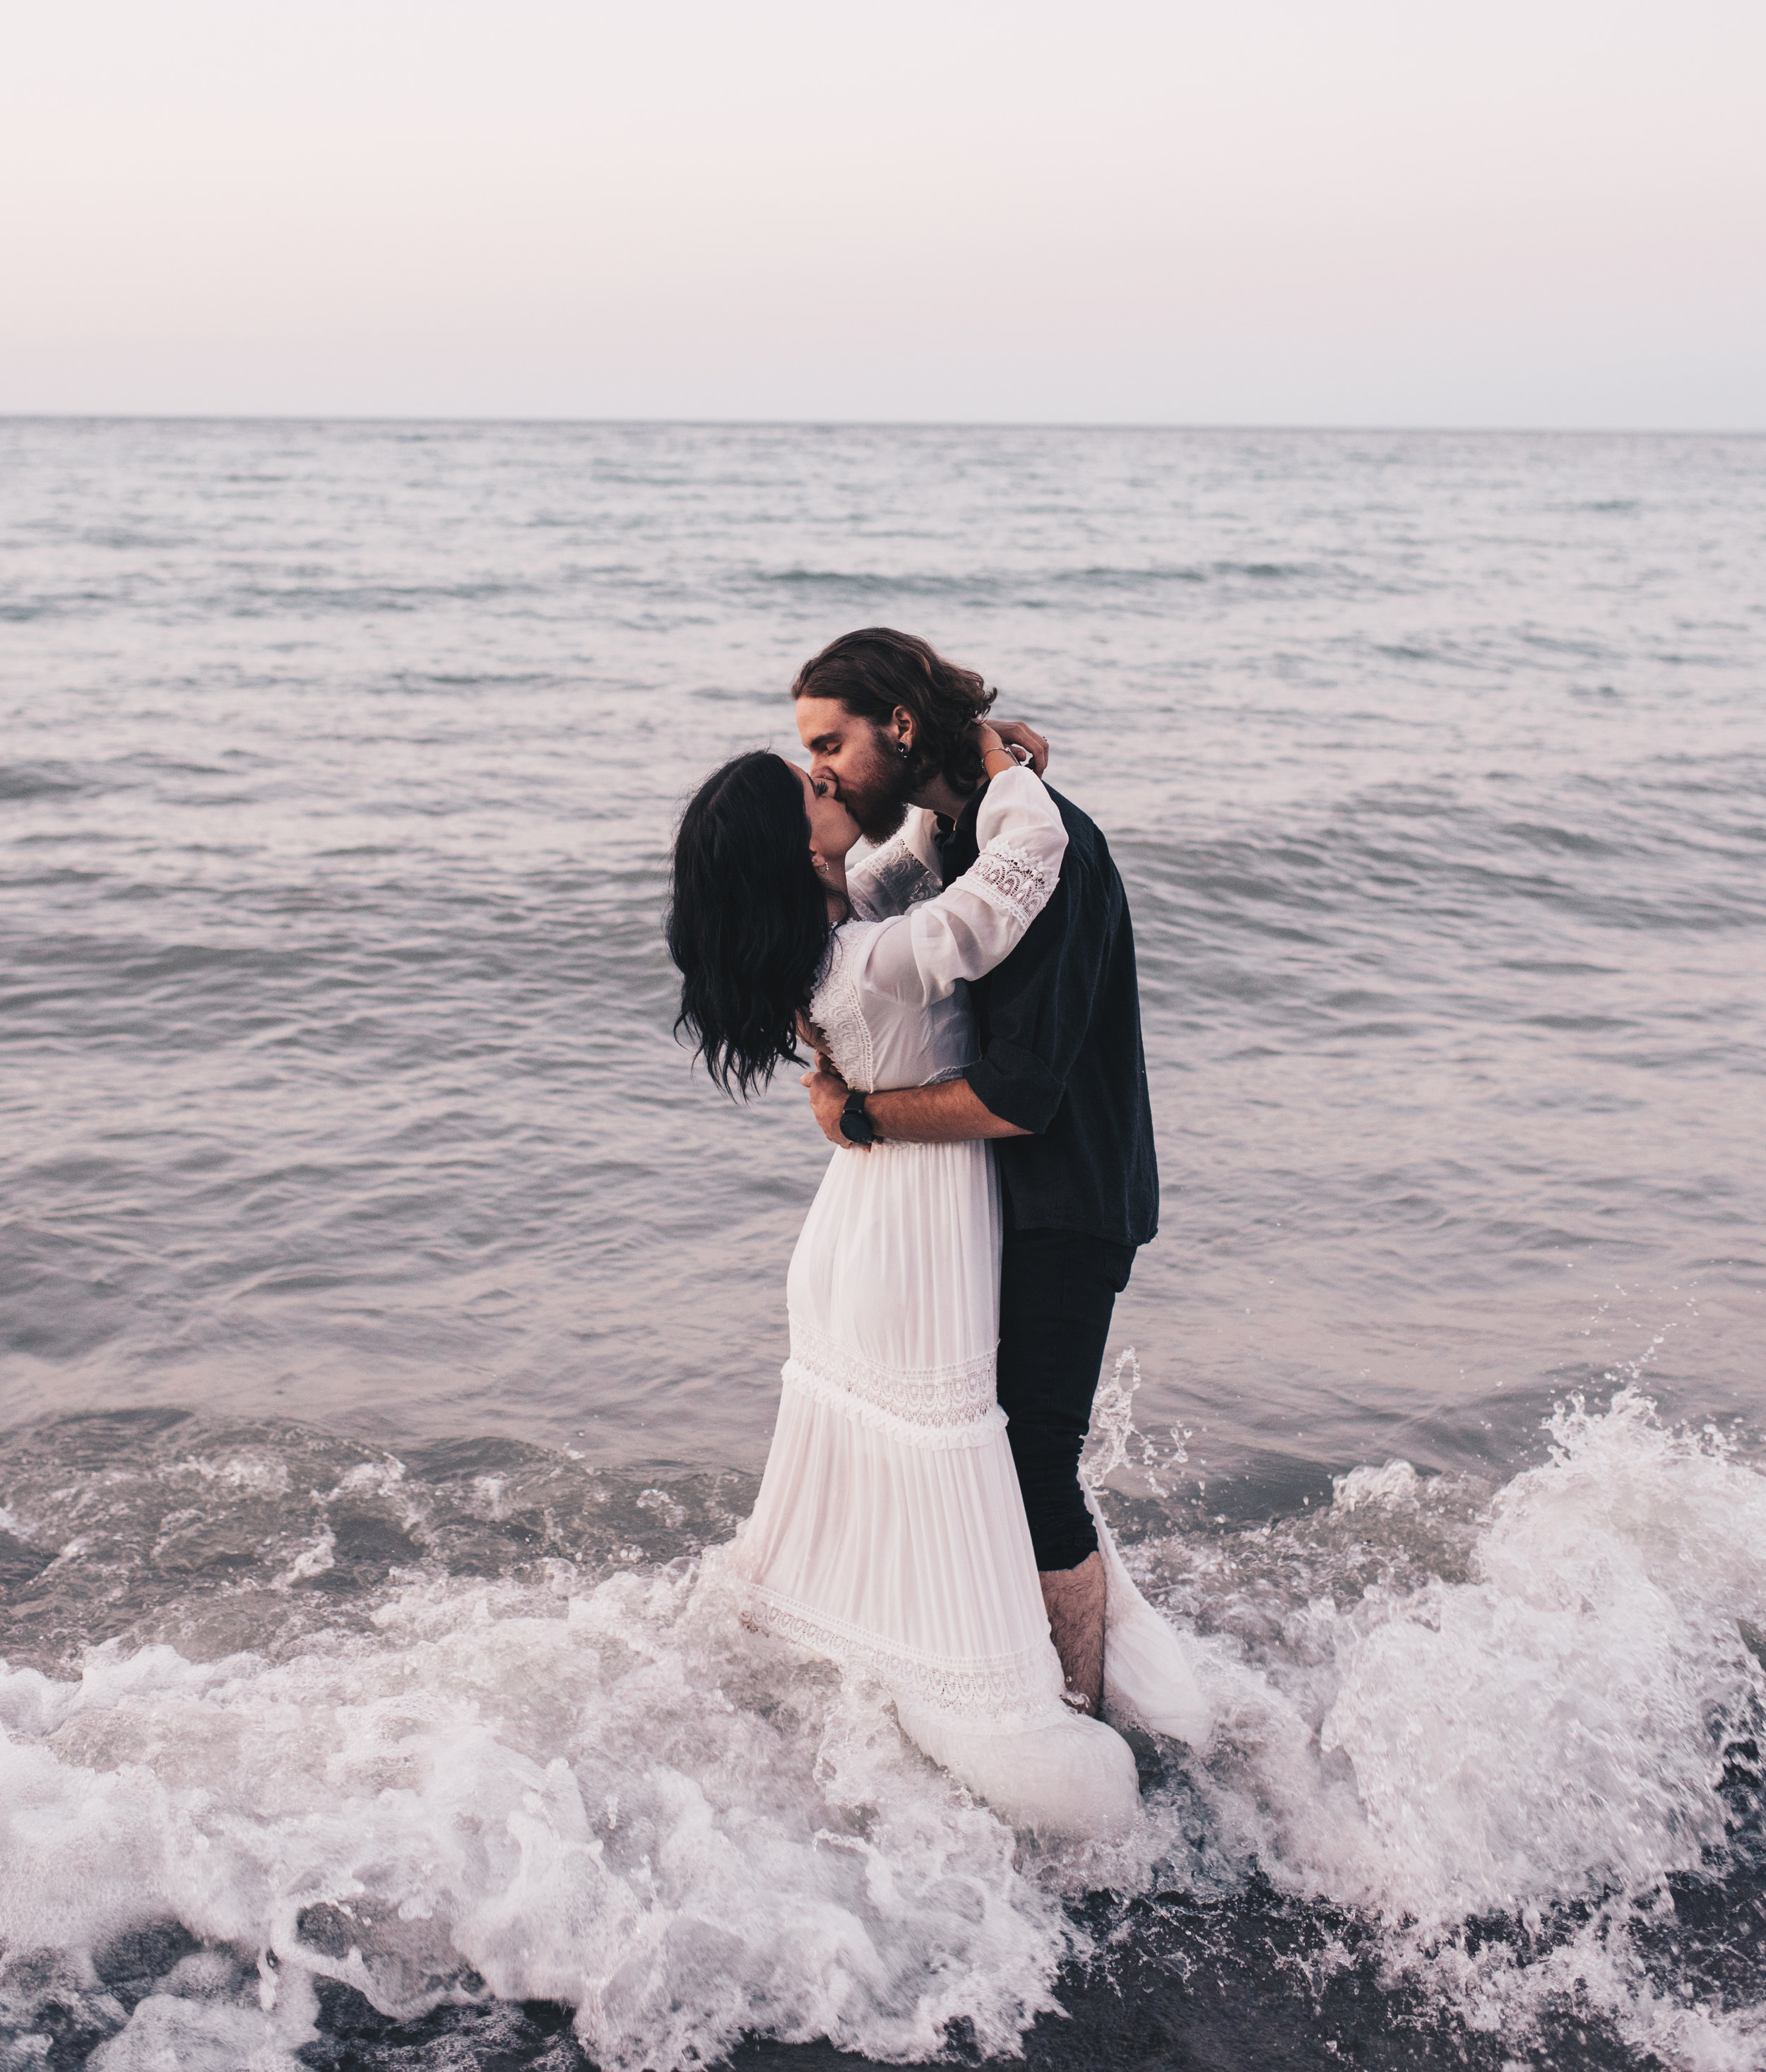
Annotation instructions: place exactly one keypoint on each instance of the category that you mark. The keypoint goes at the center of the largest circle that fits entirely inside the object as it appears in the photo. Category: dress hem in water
(1005, 1692)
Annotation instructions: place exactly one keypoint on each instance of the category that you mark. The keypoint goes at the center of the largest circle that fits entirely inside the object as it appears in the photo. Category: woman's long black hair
(747, 923)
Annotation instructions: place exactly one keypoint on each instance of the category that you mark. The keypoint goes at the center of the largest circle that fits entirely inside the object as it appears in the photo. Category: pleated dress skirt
(889, 1532)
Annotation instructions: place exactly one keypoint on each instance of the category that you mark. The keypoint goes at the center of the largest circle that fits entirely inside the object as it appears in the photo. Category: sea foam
(1507, 1756)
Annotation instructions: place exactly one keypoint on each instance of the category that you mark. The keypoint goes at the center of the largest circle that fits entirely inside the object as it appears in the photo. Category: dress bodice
(876, 1043)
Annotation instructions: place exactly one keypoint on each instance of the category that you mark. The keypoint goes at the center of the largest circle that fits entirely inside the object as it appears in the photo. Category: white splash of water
(1552, 1728)
(614, 1796)
(1549, 1732)
(624, 1802)
(1116, 1442)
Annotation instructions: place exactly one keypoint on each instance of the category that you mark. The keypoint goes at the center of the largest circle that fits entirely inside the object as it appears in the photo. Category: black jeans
(1057, 1291)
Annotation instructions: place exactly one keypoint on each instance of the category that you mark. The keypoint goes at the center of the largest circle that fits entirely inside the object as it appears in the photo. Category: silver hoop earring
(902, 749)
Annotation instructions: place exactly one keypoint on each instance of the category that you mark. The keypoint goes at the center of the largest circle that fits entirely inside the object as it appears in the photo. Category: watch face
(855, 1125)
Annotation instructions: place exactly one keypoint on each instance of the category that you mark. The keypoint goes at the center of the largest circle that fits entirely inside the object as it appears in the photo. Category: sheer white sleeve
(898, 875)
(981, 918)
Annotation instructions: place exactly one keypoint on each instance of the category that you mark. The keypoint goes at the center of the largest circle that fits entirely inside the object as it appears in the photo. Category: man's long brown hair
(875, 670)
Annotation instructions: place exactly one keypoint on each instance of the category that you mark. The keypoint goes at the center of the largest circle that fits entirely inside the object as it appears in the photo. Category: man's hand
(827, 1093)
(1014, 733)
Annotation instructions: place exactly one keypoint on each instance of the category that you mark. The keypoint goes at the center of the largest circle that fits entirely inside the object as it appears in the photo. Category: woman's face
(832, 829)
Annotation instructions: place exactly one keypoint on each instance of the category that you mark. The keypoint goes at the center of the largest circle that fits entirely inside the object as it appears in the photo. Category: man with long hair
(1060, 1086)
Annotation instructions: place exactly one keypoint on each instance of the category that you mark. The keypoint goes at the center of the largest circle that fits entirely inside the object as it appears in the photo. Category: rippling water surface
(391, 1321)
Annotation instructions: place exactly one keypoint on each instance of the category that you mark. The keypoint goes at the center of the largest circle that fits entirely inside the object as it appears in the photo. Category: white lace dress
(889, 1531)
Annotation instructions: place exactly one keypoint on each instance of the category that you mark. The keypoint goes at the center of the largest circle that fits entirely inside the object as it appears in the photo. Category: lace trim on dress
(1004, 1689)
(938, 1398)
(930, 1438)
(836, 1010)
(1017, 885)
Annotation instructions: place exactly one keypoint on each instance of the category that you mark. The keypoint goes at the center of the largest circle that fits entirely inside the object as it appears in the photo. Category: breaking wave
(1500, 1750)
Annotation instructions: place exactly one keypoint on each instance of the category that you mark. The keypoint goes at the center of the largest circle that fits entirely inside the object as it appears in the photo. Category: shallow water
(390, 1322)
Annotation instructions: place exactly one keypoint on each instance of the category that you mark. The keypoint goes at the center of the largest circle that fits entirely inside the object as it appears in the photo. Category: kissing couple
(968, 988)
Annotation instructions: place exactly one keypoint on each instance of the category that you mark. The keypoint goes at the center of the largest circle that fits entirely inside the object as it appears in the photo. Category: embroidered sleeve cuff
(1013, 881)
(1017, 1087)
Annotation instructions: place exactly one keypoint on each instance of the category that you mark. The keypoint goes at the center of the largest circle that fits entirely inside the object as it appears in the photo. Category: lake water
(389, 1316)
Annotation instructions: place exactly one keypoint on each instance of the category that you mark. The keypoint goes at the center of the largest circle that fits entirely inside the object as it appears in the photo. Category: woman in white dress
(889, 1532)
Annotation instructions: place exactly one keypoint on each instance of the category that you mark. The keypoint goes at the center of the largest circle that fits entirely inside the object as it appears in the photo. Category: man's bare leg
(1074, 1600)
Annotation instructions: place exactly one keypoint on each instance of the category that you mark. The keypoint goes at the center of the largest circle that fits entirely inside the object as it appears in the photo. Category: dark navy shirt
(1062, 1054)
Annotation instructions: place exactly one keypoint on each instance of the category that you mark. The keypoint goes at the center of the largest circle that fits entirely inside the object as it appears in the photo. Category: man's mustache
(879, 810)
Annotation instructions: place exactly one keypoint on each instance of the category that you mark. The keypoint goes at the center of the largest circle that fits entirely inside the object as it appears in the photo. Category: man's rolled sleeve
(1014, 1084)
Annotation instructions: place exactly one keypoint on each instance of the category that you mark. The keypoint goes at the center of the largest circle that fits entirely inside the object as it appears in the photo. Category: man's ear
(903, 720)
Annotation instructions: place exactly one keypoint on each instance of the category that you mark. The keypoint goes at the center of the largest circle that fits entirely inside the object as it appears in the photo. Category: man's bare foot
(1074, 1600)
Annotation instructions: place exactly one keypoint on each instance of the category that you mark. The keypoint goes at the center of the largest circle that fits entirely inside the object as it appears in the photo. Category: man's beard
(878, 800)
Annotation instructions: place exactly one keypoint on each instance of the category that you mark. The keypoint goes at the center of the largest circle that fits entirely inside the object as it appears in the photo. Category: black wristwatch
(857, 1127)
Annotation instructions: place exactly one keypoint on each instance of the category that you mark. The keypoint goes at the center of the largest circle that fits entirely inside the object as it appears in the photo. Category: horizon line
(873, 424)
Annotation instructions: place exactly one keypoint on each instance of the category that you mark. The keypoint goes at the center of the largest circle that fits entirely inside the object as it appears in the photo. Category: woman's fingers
(1016, 733)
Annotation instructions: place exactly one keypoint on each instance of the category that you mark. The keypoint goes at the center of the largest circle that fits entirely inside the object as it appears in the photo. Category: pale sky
(1526, 212)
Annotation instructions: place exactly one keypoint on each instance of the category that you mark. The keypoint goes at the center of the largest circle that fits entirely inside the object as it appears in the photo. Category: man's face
(858, 758)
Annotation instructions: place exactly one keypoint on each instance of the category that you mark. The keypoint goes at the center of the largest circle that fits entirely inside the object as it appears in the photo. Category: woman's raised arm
(981, 918)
